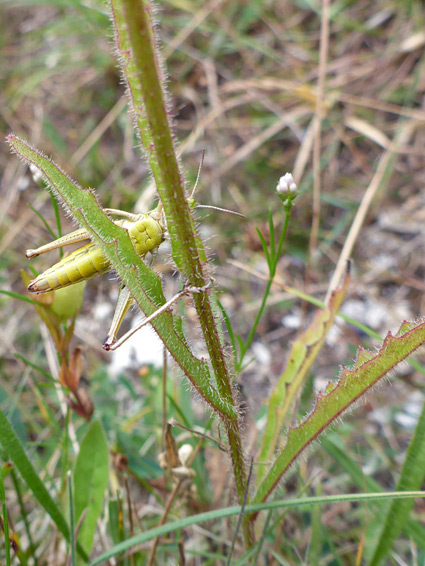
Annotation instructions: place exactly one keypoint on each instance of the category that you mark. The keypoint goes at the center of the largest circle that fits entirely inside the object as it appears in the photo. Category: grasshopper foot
(31, 253)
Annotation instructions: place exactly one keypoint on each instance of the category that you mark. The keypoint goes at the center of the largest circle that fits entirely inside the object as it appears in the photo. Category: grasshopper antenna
(199, 173)
(160, 207)
(206, 205)
(221, 209)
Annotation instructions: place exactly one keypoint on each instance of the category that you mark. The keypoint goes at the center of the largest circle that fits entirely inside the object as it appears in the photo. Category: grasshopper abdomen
(84, 263)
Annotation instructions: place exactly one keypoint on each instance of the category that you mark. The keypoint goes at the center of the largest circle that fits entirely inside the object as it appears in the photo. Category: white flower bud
(286, 184)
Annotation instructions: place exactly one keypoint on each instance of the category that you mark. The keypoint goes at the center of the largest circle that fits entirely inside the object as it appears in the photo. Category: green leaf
(272, 240)
(57, 215)
(16, 453)
(412, 529)
(18, 296)
(44, 221)
(90, 482)
(412, 474)
(354, 382)
(303, 353)
(269, 258)
(38, 368)
(220, 514)
(229, 328)
(5, 521)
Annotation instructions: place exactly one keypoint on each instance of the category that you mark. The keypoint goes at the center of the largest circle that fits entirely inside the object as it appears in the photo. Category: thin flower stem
(275, 255)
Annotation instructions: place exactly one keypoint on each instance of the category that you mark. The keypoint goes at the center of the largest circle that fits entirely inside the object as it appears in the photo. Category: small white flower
(286, 184)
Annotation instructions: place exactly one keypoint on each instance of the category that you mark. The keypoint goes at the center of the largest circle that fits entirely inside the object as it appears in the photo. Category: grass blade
(220, 514)
(16, 453)
(412, 474)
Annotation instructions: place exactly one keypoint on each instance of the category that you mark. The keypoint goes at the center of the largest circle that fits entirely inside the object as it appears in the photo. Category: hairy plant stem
(135, 41)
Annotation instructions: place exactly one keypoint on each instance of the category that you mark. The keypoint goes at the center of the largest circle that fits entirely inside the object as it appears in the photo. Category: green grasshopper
(147, 232)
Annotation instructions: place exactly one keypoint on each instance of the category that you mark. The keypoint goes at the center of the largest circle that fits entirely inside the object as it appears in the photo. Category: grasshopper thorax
(147, 232)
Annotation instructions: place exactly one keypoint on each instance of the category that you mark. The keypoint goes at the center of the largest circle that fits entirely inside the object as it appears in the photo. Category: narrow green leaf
(412, 529)
(220, 514)
(178, 410)
(18, 296)
(90, 482)
(23, 512)
(16, 453)
(44, 221)
(316, 539)
(272, 239)
(71, 519)
(27, 362)
(303, 353)
(265, 248)
(229, 327)
(412, 474)
(114, 520)
(57, 215)
(5, 521)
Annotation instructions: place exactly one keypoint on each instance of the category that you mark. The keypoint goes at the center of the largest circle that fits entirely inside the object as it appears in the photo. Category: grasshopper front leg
(124, 302)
